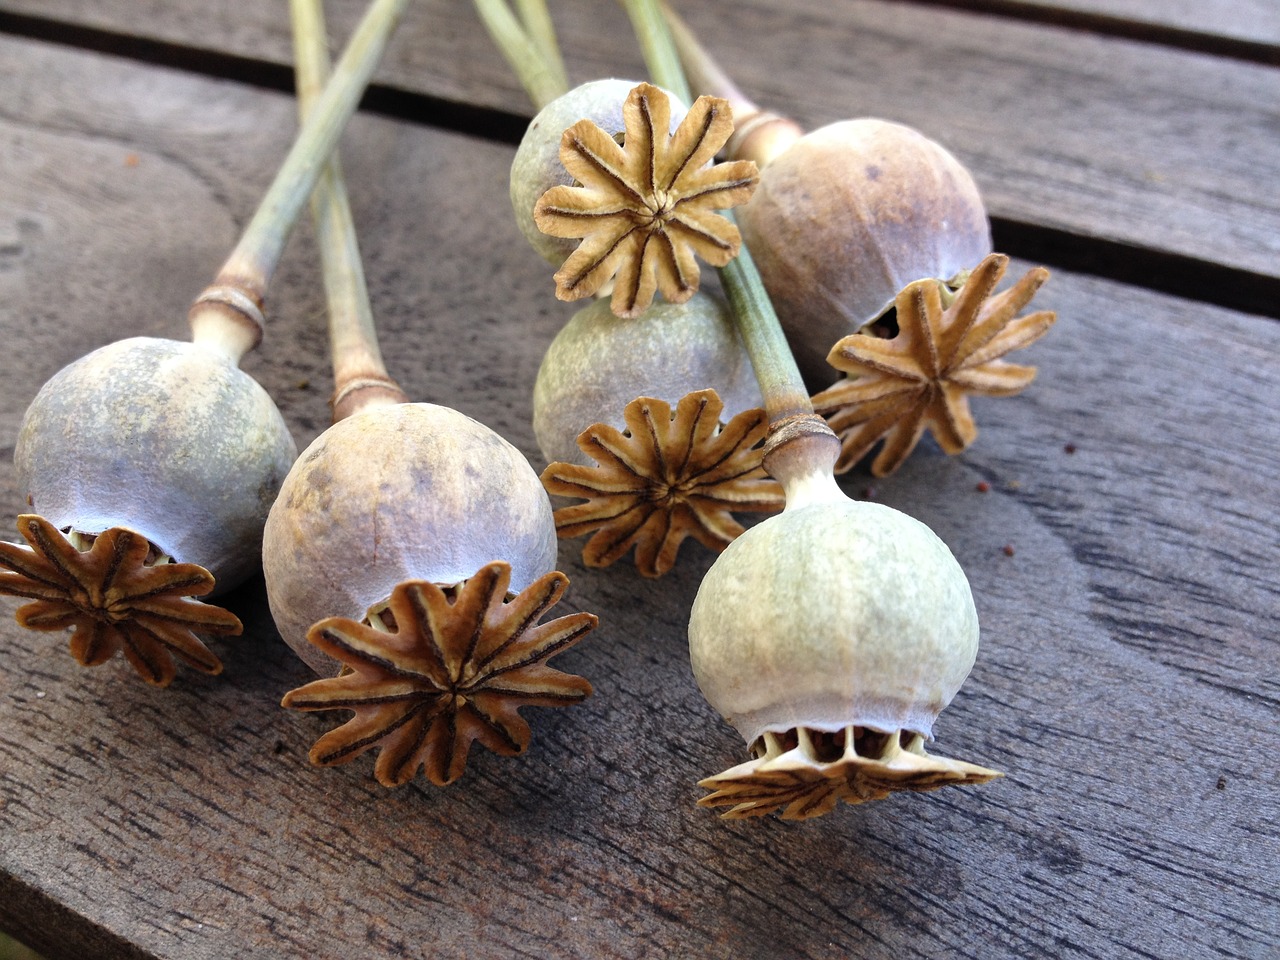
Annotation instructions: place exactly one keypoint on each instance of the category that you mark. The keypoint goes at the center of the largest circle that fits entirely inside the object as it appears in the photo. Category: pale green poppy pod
(598, 363)
(833, 614)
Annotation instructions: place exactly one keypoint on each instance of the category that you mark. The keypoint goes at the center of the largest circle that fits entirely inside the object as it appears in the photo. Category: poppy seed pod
(536, 167)
(850, 214)
(166, 438)
(598, 363)
(395, 493)
(832, 636)
(885, 635)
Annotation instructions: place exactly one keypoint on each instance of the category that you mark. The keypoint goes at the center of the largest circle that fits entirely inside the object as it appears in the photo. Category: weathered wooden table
(1129, 678)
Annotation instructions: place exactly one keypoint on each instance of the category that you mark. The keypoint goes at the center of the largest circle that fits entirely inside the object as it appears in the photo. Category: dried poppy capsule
(656, 422)
(152, 465)
(645, 209)
(536, 167)
(155, 461)
(169, 439)
(409, 557)
(598, 363)
(921, 378)
(864, 221)
(832, 636)
(846, 217)
(409, 491)
(409, 561)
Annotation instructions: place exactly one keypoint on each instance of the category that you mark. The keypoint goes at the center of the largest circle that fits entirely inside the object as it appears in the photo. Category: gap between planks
(1123, 28)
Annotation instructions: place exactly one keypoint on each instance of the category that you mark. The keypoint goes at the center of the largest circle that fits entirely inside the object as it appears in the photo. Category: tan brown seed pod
(408, 559)
(655, 422)
(169, 455)
(410, 491)
(599, 362)
(849, 215)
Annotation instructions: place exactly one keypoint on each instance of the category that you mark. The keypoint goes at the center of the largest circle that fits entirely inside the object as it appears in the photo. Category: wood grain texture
(1127, 681)
(1253, 20)
(1131, 142)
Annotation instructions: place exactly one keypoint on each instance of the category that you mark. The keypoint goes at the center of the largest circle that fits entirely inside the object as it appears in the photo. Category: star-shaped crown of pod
(805, 773)
(668, 476)
(454, 666)
(645, 207)
(895, 389)
(118, 595)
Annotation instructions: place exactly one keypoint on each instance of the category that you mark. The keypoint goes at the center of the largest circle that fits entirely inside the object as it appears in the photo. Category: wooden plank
(1123, 682)
(1127, 142)
(1256, 21)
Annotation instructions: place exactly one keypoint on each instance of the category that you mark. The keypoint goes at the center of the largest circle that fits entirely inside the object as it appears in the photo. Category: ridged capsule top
(598, 363)
(536, 167)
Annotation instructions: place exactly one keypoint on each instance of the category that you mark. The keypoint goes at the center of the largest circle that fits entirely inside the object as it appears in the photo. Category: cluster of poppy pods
(410, 552)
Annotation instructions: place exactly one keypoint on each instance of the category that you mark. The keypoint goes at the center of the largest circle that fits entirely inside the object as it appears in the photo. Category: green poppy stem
(537, 22)
(228, 315)
(658, 47)
(359, 373)
(785, 396)
(528, 45)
